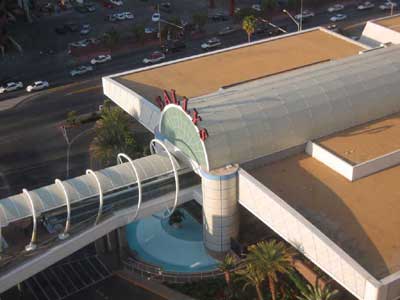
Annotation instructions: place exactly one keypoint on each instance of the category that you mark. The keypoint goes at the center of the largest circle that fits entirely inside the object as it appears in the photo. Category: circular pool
(172, 249)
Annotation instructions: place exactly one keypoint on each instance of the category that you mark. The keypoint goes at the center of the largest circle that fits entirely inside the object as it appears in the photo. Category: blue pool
(172, 249)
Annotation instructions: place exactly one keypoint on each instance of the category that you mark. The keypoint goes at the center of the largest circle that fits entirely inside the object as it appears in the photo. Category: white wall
(295, 229)
(138, 107)
(377, 164)
(375, 34)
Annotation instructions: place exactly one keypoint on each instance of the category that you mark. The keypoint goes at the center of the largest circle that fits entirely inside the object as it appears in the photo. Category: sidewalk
(152, 286)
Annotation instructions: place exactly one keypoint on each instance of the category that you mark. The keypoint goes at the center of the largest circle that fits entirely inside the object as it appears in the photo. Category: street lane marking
(84, 90)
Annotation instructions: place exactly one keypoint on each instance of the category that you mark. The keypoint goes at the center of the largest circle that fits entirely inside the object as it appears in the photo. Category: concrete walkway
(152, 286)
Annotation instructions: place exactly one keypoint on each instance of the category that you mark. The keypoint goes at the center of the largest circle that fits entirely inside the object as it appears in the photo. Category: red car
(108, 5)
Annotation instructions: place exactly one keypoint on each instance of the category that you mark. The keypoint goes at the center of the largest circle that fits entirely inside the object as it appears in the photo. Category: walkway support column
(220, 209)
(32, 245)
(100, 211)
(65, 234)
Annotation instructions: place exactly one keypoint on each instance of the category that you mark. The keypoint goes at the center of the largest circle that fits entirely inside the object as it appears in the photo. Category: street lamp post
(391, 7)
(293, 19)
(70, 142)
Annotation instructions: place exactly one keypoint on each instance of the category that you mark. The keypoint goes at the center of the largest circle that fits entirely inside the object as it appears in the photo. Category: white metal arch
(139, 183)
(152, 150)
(32, 245)
(101, 201)
(65, 234)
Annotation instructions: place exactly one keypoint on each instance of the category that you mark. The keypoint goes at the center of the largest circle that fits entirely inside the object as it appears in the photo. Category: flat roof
(361, 217)
(206, 74)
(367, 141)
(392, 23)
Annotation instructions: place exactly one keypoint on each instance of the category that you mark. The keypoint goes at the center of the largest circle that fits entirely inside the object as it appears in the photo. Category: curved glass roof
(50, 197)
(268, 115)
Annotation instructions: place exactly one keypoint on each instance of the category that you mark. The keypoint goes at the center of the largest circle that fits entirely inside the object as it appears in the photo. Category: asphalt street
(32, 148)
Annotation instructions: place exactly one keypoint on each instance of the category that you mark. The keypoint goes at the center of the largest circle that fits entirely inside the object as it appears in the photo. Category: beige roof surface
(207, 74)
(392, 23)
(361, 217)
(361, 143)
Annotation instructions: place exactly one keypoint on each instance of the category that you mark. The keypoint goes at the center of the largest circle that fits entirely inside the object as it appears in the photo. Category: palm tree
(249, 25)
(316, 293)
(113, 136)
(226, 266)
(272, 258)
(252, 275)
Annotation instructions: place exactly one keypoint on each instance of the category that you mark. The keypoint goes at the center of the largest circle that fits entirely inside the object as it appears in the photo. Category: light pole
(293, 19)
(70, 142)
(391, 7)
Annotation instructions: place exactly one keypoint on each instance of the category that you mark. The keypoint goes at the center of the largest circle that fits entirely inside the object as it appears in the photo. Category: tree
(138, 33)
(111, 38)
(200, 20)
(252, 275)
(113, 136)
(249, 25)
(272, 258)
(226, 266)
(317, 293)
(72, 118)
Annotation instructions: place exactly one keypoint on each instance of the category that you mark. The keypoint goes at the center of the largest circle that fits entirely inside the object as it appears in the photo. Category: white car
(149, 30)
(100, 59)
(81, 70)
(336, 7)
(80, 44)
(117, 2)
(85, 29)
(128, 15)
(306, 14)
(338, 17)
(256, 7)
(155, 57)
(37, 86)
(211, 43)
(11, 86)
(155, 17)
(366, 5)
(388, 6)
(120, 16)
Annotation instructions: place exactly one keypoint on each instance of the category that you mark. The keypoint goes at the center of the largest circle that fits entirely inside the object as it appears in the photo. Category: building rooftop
(364, 142)
(210, 72)
(392, 23)
(361, 217)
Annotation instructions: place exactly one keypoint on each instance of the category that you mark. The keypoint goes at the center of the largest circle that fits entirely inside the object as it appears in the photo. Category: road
(32, 149)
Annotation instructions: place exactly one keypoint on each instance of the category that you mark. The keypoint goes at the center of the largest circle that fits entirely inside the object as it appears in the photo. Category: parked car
(37, 86)
(149, 30)
(100, 59)
(155, 57)
(91, 8)
(120, 16)
(108, 5)
(332, 27)
(388, 6)
(72, 27)
(211, 43)
(256, 7)
(338, 17)
(117, 2)
(307, 14)
(81, 70)
(111, 18)
(155, 17)
(11, 86)
(336, 7)
(61, 29)
(128, 15)
(220, 17)
(80, 44)
(261, 28)
(173, 46)
(166, 7)
(85, 29)
(365, 5)
(276, 31)
(228, 30)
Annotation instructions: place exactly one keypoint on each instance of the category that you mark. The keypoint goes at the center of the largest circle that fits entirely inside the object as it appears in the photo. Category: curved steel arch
(139, 183)
(152, 150)
(101, 200)
(65, 234)
(32, 245)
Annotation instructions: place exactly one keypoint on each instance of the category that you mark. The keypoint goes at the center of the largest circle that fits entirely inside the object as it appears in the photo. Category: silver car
(81, 70)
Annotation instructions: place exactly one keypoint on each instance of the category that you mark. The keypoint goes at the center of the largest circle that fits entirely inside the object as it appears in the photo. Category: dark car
(166, 7)
(61, 29)
(220, 17)
(173, 46)
(275, 32)
(72, 27)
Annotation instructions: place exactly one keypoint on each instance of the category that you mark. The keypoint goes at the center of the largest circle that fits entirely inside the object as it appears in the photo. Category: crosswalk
(67, 278)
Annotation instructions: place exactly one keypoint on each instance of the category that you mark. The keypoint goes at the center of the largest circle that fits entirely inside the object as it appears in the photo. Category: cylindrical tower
(220, 209)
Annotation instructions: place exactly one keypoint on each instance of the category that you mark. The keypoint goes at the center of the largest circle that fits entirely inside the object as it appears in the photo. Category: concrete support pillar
(220, 209)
